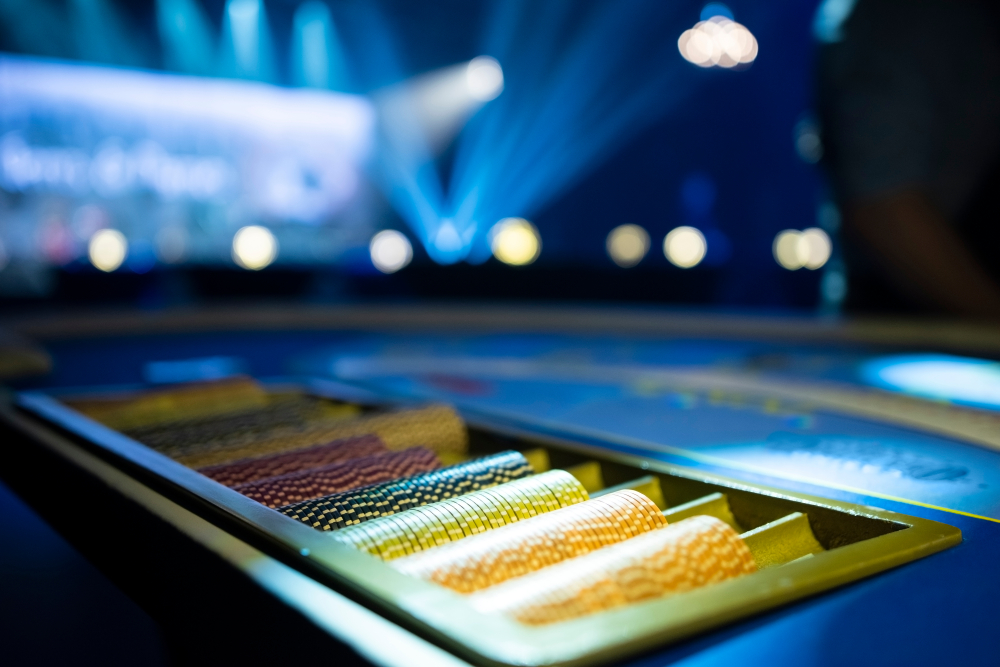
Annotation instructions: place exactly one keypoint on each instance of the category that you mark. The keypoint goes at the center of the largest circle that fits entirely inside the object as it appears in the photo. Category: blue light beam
(186, 35)
(317, 56)
(101, 34)
(247, 51)
(579, 86)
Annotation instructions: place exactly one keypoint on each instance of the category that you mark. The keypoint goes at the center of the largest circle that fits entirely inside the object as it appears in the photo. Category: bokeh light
(718, 42)
(254, 247)
(627, 245)
(107, 249)
(484, 76)
(685, 247)
(817, 247)
(810, 248)
(808, 141)
(937, 376)
(515, 241)
(390, 251)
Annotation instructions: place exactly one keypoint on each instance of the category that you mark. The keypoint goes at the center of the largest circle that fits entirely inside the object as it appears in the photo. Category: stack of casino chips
(210, 424)
(187, 435)
(251, 470)
(688, 554)
(304, 485)
(352, 507)
(437, 427)
(161, 407)
(452, 519)
(517, 549)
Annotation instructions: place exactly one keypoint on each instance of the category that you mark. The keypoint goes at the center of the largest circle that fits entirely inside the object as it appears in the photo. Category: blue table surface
(937, 610)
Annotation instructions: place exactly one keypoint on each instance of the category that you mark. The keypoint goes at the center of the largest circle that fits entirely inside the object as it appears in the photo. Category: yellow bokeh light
(685, 247)
(786, 249)
(107, 249)
(627, 245)
(515, 241)
(794, 250)
(254, 247)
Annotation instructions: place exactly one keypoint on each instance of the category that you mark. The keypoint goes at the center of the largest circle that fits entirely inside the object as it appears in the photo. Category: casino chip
(337, 477)
(428, 526)
(526, 546)
(690, 553)
(339, 510)
(250, 470)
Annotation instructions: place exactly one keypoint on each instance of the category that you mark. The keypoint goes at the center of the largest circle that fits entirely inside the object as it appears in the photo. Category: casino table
(880, 416)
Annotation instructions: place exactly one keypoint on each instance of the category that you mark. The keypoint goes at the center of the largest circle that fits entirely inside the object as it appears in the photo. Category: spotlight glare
(107, 249)
(515, 241)
(254, 247)
(627, 245)
(685, 247)
(390, 251)
(484, 77)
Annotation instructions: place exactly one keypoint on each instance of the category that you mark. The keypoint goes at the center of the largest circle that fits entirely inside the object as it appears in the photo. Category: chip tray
(802, 544)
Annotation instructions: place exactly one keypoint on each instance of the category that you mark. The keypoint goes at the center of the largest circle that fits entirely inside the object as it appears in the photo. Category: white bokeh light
(685, 247)
(515, 241)
(390, 251)
(107, 249)
(254, 247)
(817, 247)
(718, 42)
(484, 77)
(627, 245)
(810, 248)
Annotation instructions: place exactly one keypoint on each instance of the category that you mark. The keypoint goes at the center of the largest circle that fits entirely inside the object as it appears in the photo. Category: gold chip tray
(803, 544)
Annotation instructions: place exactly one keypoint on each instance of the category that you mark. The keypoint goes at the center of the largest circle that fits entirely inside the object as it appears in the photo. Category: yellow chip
(457, 524)
(522, 507)
(452, 528)
(484, 513)
(470, 512)
(402, 530)
(422, 527)
(501, 505)
(541, 497)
